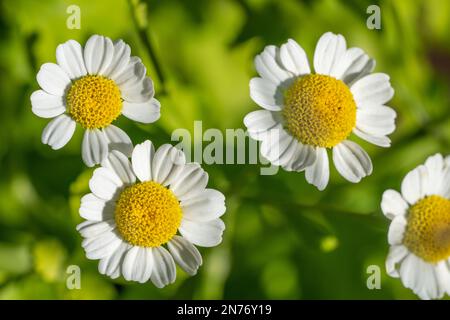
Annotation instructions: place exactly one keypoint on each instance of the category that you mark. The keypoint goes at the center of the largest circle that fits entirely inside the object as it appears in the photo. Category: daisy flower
(419, 234)
(136, 210)
(312, 112)
(93, 87)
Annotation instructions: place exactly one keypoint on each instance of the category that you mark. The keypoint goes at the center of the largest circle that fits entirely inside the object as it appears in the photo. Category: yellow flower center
(94, 101)
(319, 110)
(147, 214)
(427, 233)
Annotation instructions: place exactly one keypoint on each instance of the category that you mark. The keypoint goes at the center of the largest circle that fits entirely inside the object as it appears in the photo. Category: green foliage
(284, 239)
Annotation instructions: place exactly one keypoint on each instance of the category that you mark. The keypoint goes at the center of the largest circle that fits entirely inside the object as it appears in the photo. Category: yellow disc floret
(319, 110)
(94, 101)
(147, 214)
(427, 233)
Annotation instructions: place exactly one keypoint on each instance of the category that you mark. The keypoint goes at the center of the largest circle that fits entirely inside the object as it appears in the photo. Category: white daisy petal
(110, 265)
(373, 89)
(444, 189)
(115, 274)
(141, 92)
(185, 254)
(102, 246)
(142, 159)
(259, 122)
(393, 204)
(133, 74)
(396, 255)
(92, 229)
(46, 105)
(318, 173)
(396, 230)
(166, 158)
(94, 147)
(103, 264)
(120, 165)
(69, 56)
(303, 157)
(381, 141)
(178, 158)
(149, 264)
(435, 169)
(290, 154)
(161, 163)
(276, 144)
(377, 120)
(91, 241)
(98, 54)
(118, 140)
(207, 205)
(266, 94)
(354, 65)
(58, 132)
(133, 84)
(190, 181)
(432, 286)
(145, 112)
(329, 51)
(413, 185)
(120, 60)
(420, 277)
(203, 234)
(164, 269)
(53, 79)
(129, 263)
(351, 161)
(407, 271)
(105, 184)
(348, 58)
(95, 209)
(443, 277)
(294, 59)
(267, 66)
(138, 264)
(359, 71)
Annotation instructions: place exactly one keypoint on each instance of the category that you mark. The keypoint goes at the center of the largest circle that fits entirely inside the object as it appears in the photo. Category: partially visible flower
(93, 87)
(419, 234)
(307, 113)
(137, 209)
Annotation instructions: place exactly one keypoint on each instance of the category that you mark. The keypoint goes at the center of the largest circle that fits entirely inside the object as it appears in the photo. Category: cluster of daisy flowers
(143, 215)
(149, 208)
(305, 113)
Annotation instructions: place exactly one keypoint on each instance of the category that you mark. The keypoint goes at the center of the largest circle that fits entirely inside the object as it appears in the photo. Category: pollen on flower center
(147, 214)
(427, 233)
(94, 101)
(319, 110)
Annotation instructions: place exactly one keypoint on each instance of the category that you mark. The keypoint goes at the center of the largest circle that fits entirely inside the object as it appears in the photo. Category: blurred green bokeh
(284, 239)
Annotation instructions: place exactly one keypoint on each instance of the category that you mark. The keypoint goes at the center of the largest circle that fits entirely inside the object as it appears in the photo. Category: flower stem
(145, 39)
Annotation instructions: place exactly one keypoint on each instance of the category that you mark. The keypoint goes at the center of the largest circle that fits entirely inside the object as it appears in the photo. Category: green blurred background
(284, 239)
